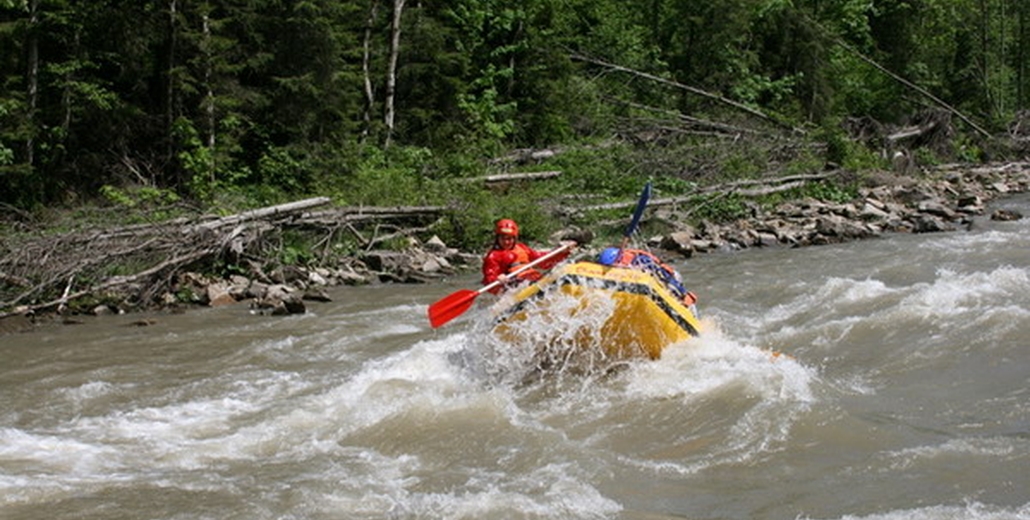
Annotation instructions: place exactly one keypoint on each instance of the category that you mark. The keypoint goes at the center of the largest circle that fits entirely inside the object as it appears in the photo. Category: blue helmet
(610, 256)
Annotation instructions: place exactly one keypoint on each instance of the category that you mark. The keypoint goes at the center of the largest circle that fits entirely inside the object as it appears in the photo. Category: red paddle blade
(451, 307)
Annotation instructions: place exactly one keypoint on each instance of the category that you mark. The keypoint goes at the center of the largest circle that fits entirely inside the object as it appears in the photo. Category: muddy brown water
(904, 394)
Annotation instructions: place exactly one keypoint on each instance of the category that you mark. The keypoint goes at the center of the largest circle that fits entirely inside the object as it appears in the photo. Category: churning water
(902, 392)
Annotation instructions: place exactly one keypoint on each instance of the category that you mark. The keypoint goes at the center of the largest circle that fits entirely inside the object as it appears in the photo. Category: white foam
(968, 511)
(713, 360)
(992, 447)
(952, 292)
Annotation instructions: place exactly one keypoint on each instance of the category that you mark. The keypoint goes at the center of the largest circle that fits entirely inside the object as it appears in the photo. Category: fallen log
(262, 213)
(351, 215)
(761, 187)
(770, 181)
(507, 177)
(526, 155)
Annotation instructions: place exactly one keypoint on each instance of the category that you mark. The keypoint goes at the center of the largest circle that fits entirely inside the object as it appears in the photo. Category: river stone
(435, 245)
(926, 223)
(218, 294)
(316, 278)
(680, 242)
(936, 207)
(1005, 215)
(316, 295)
(872, 211)
(384, 260)
(291, 305)
(103, 310)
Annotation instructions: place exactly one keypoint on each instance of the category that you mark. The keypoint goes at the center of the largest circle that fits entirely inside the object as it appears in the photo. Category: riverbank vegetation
(116, 114)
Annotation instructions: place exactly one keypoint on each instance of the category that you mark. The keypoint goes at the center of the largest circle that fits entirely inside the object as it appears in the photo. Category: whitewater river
(903, 392)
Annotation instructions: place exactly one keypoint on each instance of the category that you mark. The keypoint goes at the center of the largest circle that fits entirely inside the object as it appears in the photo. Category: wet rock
(1000, 187)
(256, 289)
(279, 300)
(288, 306)
(315, 278)
(937, 208)
(873, 210)
(971, 204)
(218, 294)
(433, 265)
(1006, 215)
(927, 223)
(384, 261)
(764, 239)
(103, 310)
(349, 276)
(316, 295)
(239, 287)
(678, 242)
(278, 292)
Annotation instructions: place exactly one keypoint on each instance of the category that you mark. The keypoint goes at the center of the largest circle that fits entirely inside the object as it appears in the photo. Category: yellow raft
(624, 312)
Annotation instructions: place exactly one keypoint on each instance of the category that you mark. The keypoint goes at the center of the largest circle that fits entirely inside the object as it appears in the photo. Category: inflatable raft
(622, 311)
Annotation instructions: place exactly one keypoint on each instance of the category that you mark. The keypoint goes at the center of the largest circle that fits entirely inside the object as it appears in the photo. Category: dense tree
(203, 96)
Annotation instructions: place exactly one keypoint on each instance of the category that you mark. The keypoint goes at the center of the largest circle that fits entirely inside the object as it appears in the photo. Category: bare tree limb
(912, 86)
(739, 106)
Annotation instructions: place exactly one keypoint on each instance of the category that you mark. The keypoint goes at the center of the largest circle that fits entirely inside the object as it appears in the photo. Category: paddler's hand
(502, 279)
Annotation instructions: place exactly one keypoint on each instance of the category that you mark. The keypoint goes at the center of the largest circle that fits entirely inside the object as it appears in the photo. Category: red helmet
(507, 226)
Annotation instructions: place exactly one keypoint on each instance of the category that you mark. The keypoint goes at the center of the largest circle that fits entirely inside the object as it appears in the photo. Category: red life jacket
(522, 257)
(505, 261)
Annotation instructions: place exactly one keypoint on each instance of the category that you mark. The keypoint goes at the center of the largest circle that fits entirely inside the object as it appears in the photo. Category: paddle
(456, 303)
(637, 213)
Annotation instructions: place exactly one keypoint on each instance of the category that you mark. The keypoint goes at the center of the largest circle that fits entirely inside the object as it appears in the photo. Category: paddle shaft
(549, 255)
(637, 213)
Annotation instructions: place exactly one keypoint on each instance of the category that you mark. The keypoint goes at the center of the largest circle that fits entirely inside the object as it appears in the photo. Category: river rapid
(902, 392)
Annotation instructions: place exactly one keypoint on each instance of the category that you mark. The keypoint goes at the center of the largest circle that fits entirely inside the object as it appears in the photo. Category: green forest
(240, 103)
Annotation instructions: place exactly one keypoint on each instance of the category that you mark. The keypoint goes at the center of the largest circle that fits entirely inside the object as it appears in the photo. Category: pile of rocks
(889, 204)
(285, 291)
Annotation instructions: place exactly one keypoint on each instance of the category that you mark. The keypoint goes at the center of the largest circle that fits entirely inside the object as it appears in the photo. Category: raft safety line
(613, 285)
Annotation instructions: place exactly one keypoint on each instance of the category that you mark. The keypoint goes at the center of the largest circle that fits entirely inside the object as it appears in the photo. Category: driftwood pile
(152, 265)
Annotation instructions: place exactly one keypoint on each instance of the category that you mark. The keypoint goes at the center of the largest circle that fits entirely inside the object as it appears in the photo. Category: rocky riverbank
(946, 198)
(945, 201)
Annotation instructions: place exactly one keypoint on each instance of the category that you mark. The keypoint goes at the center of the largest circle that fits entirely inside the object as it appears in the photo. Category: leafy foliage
(248, 103)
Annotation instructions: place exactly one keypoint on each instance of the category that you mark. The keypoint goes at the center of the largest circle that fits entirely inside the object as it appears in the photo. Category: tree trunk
(170, 86)
(33, 80)
(366, 66)
(1021, 78)
(209, 99)
(985, 50)
(391, 73)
